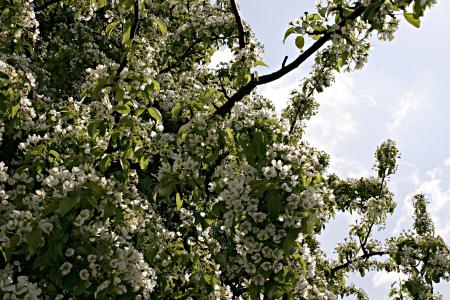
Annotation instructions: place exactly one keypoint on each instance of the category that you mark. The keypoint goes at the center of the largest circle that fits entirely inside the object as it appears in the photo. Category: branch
(362, 257)
(248, 88)
(364, 243)
(240, 28)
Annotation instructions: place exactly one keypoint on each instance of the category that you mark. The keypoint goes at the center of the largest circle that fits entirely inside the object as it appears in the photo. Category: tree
(129, 169)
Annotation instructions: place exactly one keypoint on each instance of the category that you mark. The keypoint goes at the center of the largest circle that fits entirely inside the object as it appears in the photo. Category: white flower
(84, 274)
(70, 252)
(65, 268)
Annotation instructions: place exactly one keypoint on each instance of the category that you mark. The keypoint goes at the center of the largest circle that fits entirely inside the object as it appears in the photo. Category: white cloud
(278, 91)
(406, 109)
(386, 279)
(348, 168)
(335, 121)
(447, 161)
(436, 187)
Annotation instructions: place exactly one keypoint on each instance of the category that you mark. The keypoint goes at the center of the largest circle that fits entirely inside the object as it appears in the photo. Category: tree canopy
(131, 169)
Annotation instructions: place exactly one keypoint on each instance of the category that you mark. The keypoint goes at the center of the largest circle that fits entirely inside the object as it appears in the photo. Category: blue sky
(402, 93)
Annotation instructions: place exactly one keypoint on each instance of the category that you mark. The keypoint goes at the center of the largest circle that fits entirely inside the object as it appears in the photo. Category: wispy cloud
(434, 184)
(405, 109)
(386, 279)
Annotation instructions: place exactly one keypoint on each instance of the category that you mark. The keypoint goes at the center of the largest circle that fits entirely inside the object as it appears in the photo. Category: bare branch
(248, 88)
(284, 61)
(362, 257)
(240, 28)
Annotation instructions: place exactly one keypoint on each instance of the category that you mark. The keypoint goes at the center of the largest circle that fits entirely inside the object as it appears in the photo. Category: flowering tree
(129, 169)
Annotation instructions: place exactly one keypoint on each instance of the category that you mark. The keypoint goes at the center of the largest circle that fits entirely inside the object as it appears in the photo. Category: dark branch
(284, 61)
(248, 88)
(362, 257)
(372, 223)
(240, 28)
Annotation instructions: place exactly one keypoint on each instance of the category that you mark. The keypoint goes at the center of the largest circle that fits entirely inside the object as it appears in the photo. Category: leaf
(15, 110)
(92, 128)
(290, 31)
(105, 163)
(111, 26)
(178, 201)
(122, 108)
(300, 42)
(274, 203)
(101, 3)
(156, 86)
(260, 63)
(143, 162)
(126, 3)
(66, 205)
(34, 238)
(218, 209)
(155, 113)
(412, 19)
(139, 111)
(126, 33)
(55, 154)
(175, 110)
(162, 26)
(288, 242)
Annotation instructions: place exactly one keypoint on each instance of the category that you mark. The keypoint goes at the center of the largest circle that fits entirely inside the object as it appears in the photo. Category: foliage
(132, 170)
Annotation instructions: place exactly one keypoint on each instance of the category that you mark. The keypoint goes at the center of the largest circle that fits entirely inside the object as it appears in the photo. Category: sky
(402, 93)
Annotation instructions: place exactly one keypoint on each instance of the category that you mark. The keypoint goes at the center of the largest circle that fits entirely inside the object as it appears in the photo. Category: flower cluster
(120, 177)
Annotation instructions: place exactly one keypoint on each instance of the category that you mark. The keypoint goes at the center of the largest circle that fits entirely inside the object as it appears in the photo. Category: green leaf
(122, 108)
(260, 63)
(274, 203)
(66, 205)
(289, 241)
(162, 26)
(105, 163)
(175, 110)
(15, 110)
(290, 31)
(101, 3)
(412, 19)
(155, 85)
(300, 42)
(179, 201)
(92, 128)
(127, 4)
(139, 111)
(34, 238)
(126, 33)
(155, 113)
(111, 26)
(55, 154)
(143, 162)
